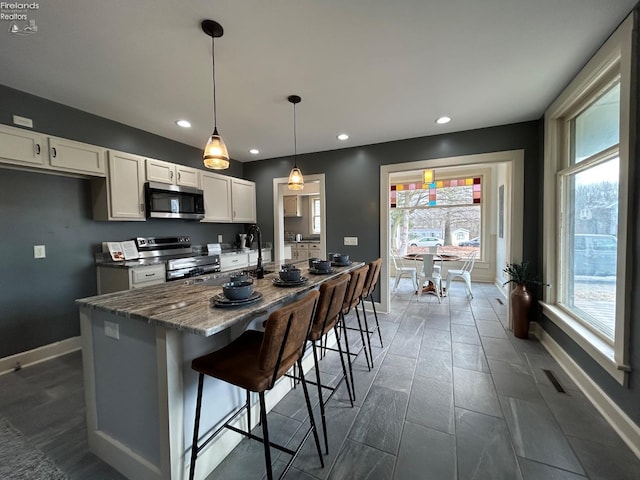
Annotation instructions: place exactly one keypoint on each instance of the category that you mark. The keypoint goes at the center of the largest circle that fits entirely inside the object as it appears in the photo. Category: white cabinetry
(171, 173)
(121, 195)
(76, 157)
(266, 256)
(116, 279)
(31, 149)
(304, 251)
(217, 197)
(21, 147)
(291, 205)
(243, 201)
(232, 261)
(228, 199)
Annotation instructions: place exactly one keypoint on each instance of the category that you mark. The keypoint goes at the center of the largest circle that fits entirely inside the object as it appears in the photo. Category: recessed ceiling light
(443, 120)
(254, 151)
(183, 123)
(343, 136)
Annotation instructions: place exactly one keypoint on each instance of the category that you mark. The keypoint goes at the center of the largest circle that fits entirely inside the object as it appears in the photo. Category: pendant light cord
(295, 143)
(213, 63)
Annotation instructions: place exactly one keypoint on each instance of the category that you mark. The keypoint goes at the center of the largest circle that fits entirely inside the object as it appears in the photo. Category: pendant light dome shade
(215, 154)
(296, 181)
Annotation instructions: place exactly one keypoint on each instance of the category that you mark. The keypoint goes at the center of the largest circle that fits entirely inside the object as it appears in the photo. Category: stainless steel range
(180, 260)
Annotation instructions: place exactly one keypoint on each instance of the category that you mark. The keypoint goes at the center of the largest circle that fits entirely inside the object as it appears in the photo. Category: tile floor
(452, 395)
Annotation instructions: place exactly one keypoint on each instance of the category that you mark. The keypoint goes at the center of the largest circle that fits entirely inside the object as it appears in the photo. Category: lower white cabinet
(232, 261)
(116, 279)
(120, 196)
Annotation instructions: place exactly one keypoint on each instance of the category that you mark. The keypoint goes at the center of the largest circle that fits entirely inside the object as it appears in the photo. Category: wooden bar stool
(332, 295)
(367, 292)
(255, 361)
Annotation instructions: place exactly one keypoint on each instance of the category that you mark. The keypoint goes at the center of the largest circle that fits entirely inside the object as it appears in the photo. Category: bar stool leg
(366, 329)
(346, 343)
(344, 369)
(265, 436)
(364, 342)
(248, 411)
(324, 420)
(196, 426)
(310, 411)
(375, 314)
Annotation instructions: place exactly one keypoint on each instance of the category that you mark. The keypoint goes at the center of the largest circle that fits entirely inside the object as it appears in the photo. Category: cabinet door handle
(142, 207)
(178, 176)
(149, 274)
(37, 149)
(54, 152)
(171, 174)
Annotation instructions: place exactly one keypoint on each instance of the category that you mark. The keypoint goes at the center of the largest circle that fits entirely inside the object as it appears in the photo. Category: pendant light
(296, 182)
(215, 151)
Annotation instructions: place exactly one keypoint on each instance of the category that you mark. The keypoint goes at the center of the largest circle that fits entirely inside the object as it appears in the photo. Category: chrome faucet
(254, 229)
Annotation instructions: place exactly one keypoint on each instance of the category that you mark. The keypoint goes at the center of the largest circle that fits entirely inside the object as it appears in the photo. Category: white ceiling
(379, 70)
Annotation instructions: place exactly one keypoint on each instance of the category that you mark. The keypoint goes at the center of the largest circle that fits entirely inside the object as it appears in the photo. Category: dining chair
(403, 271)
(464, 272)
(431, 274)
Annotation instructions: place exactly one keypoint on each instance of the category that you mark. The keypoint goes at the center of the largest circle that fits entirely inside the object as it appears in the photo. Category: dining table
(441, 257)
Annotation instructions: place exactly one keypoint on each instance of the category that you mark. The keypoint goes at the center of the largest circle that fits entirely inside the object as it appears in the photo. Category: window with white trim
(314, 215)
(586, 196)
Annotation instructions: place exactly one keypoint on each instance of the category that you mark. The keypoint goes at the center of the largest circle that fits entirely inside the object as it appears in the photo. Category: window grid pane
(591, 245)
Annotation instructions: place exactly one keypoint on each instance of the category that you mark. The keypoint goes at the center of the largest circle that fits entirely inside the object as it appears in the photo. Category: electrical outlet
(111, 330)
(39, 251)
(351, 240)
(22, 121)
(219, 238)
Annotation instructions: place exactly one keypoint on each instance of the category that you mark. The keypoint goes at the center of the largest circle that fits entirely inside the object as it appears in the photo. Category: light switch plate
(111, 330)
(219, 238)
(351, 240)
(39, 251)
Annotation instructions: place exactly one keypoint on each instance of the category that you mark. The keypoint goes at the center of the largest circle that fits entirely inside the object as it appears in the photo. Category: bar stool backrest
(354, 291)
(372, 277)
(332, 295)
(285, 335)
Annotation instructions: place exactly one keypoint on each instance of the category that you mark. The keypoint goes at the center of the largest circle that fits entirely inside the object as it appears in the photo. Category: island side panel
(125, 384)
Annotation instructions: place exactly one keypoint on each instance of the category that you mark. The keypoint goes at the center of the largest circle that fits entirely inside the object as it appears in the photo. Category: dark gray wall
(37, 295)
(352, 179)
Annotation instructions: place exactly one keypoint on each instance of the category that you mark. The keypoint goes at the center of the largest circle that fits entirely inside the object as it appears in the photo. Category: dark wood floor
(453, 395)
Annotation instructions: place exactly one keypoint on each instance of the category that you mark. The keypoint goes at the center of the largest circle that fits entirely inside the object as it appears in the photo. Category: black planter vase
(521, 301)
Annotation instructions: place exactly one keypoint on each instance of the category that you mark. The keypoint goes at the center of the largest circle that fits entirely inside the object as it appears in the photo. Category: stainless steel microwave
(173, 201)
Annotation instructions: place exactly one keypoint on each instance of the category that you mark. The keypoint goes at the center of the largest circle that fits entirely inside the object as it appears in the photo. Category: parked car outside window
(474, 242)
(427, 242)
(595, 254)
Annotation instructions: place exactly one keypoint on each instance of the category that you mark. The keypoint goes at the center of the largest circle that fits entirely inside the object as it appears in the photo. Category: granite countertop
(186, 305)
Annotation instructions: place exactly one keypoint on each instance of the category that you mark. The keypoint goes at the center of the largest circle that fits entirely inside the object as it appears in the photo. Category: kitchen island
(140, 390)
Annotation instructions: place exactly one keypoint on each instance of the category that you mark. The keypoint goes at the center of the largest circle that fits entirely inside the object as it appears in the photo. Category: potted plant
(521, 298)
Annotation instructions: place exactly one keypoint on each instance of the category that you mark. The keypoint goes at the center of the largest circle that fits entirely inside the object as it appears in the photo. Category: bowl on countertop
(237, 290)
(322, 265)
(239, 277)
(290, 275)
(339, 258)
(312, 260)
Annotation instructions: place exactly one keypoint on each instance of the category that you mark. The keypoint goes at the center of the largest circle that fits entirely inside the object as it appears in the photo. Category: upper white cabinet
(21, 147)
(76, 157)
(167, 172)
(31, 149)
(243, 201)
(121, 195)
(291, 205)
(228, 199)
(217, 197)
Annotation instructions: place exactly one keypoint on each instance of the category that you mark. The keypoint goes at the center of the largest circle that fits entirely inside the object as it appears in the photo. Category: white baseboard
(619, 420)
(40, 354)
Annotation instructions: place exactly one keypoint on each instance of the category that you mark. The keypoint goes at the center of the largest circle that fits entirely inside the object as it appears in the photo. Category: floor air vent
(552, 378)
